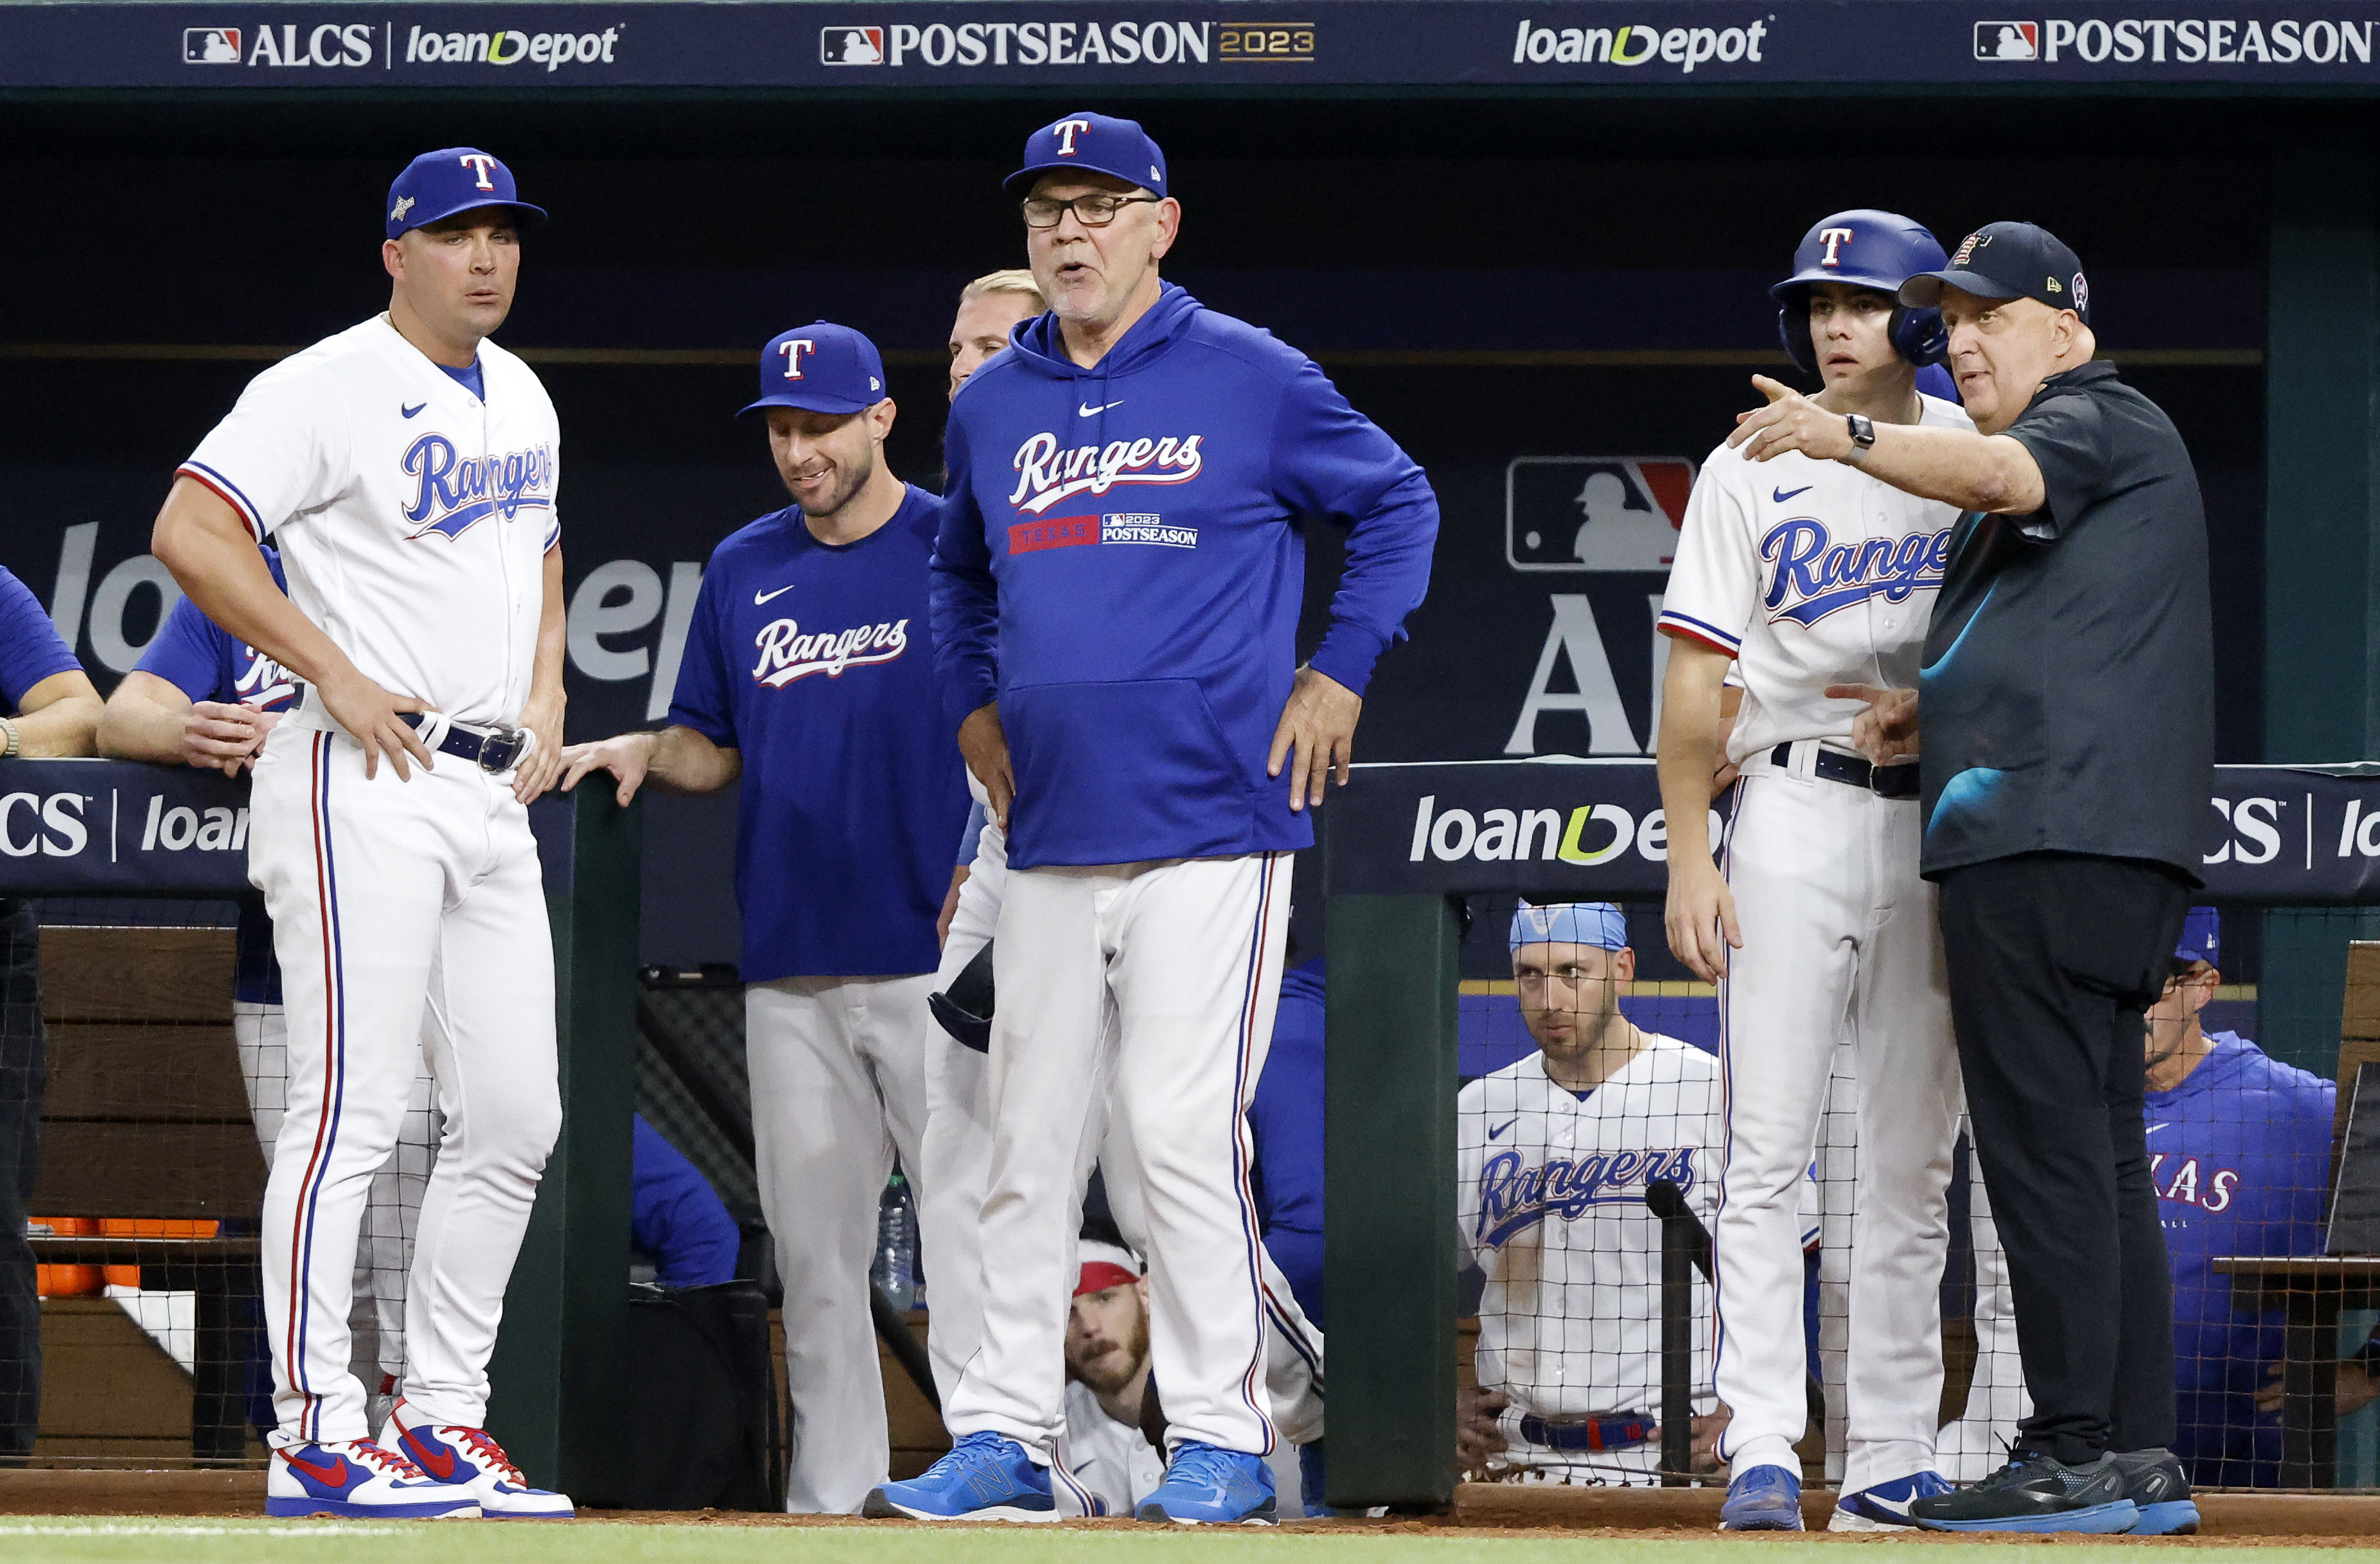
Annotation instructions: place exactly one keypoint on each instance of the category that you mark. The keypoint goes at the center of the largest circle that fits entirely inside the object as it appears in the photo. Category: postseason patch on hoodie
(1121, 563)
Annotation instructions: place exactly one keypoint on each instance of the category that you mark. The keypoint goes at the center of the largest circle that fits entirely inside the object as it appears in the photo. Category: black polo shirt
(2068, 695)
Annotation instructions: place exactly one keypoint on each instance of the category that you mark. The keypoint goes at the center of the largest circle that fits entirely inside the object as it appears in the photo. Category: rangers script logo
(1046, 474)
(1514, 1196)
(1823, 577)
(450, 494)
(787, 654)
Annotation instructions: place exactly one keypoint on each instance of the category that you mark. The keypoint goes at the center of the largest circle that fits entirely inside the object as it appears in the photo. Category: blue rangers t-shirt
(31, 647)
(206, 661)
(2240, 1154)
(814, 661)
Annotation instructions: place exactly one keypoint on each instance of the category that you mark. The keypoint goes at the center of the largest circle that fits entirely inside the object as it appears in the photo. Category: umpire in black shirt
(2066, 709)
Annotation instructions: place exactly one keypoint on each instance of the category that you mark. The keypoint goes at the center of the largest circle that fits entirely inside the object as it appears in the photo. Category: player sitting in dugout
(1115, 1425)
(1555, 1153)
(2239, 1153)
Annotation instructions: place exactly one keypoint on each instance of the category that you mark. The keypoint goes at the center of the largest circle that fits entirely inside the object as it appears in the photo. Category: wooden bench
(145, 1118)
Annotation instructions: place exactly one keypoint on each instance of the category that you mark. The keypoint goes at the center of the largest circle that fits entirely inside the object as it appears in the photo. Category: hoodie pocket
(1119, 773)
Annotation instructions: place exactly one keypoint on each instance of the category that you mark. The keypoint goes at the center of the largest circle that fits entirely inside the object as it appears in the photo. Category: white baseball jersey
(1808, 573)
(412, 517)
(1113, 1460)
(1552, 1208)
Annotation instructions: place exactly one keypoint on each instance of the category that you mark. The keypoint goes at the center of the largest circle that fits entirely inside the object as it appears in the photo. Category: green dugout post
(554, 1399)
(2322, 515)
(1388, 1252)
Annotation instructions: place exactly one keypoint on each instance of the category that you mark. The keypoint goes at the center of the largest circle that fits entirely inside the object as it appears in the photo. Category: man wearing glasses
(1129, 488)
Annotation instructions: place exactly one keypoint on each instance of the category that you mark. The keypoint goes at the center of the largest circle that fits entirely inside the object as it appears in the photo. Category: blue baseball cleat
(985, 1477)
(1205, 1486)
(1309, 1480)
(357, 1480)
(1884, 1507)
(1763, 1499)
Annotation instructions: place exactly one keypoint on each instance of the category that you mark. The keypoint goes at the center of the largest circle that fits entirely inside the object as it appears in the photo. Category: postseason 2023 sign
(1667, 44)
(2283, 835)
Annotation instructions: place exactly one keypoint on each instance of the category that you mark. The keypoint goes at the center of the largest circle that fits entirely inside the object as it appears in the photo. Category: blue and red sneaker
(469, 1458)
(357, 1479)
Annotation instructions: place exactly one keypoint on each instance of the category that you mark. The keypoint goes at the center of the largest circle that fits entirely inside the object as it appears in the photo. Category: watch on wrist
(15, 745)
(1862, 429)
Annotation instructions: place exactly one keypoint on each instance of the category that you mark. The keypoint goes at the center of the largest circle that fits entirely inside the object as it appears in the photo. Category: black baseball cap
(2008, 261)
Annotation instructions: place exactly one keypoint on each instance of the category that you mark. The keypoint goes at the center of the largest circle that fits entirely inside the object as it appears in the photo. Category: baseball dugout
(1459, 1258)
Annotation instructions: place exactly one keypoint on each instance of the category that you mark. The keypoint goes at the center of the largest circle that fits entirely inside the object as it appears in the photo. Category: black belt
(1885, 781)
(1591, 1431)
(491, 748)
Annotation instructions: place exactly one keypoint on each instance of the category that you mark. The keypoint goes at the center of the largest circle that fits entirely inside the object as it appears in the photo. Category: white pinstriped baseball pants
(1186, 955)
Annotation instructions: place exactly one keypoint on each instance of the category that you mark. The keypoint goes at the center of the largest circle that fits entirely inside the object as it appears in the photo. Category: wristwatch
(1862, 429)
(15, 745)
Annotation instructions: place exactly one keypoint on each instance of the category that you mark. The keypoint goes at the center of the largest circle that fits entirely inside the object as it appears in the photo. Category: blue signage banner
(2279, 835)
(1676, 44)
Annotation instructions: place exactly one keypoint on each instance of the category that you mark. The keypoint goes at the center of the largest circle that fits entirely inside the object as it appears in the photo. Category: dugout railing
(84, 833)
(1416, 925)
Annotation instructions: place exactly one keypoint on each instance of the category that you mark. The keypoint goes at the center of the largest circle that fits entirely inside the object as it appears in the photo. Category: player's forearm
(1687, 750)
(138, 725)
(60, 718)
(685, 761)
(545, 682)
(1974, 471)
(203, 541)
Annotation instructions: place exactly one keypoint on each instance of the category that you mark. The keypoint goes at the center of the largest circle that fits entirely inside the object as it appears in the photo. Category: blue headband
(1572, 922)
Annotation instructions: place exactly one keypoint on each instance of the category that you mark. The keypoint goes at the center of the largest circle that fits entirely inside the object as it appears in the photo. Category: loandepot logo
(1684, 47)
(1587, 835)
(551, 50)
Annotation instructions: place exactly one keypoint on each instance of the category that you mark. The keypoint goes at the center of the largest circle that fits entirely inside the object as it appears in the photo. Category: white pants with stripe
(1160, 978)
(390, 898)
(384, 1252)
(838, 1090)
(1839, 944)
(956, 1155)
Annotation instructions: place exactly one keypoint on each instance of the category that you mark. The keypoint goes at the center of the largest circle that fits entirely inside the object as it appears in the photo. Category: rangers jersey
(1552, 1209)
(1113, 1459)
(413, 517)
(1808, 573)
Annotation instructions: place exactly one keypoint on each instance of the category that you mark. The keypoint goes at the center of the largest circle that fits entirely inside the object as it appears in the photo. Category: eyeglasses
(1094, 211)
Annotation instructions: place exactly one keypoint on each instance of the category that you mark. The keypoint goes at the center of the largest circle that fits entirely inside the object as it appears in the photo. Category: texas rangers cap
(1096, 143)
(1572, 922)
(2008, 261)
(823, 367)
(2201, 936)
(1104, 1266)
(439, 184)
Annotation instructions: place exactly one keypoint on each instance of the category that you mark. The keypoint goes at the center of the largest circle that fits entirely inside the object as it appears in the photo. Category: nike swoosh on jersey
(1086, 410)
(761, 597)
(1782, 495)
(411, 410)
(1501, 1128)
(2155, 1128)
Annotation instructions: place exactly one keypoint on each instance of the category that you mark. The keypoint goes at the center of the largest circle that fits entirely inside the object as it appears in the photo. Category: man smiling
(2068, 748)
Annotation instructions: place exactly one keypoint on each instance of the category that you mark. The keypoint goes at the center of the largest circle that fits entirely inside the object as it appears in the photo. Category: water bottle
(895, 1270)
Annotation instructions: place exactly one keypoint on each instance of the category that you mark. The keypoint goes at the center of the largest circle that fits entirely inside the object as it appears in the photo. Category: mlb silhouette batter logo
(851, 45)
(1595, 513)
(210, 46)
(2007, 41)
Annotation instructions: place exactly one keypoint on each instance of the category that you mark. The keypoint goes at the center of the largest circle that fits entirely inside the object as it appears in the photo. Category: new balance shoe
(2035, 1493)
(1206, 1485)
(357, 1479)
(2155, 1483)
(469, 1458)
(985, 1477)
(1762, 1498)
(1884, 1507)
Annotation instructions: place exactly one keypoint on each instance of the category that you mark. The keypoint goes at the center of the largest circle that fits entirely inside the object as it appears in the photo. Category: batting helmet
(1877, 249)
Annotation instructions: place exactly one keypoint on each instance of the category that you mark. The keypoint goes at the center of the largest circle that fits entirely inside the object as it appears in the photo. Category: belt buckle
(500, 750)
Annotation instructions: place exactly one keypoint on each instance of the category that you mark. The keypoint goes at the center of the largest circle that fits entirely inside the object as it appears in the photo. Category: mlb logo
(210, 46)
(2007, 41)
(851, 45)
(1595, 513)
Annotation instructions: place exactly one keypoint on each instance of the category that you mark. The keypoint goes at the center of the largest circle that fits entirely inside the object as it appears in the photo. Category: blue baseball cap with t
(439, 184)
(1570, 922)
(2201, 936)
(822, 367)
(1095, 143)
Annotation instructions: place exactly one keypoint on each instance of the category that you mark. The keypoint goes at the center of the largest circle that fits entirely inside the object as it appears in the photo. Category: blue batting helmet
(1877, 249)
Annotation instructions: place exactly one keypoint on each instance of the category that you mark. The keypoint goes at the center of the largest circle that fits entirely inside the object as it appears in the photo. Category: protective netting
(1557, 1147)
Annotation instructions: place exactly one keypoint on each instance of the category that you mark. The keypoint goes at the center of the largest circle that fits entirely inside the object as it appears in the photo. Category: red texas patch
(1058, 531)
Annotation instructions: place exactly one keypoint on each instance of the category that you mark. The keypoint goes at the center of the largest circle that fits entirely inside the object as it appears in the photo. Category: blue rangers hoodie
(1129, 540)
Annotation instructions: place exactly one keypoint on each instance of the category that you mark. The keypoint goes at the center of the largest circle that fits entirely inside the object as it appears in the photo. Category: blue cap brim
(531, 216)
(809, 402)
